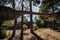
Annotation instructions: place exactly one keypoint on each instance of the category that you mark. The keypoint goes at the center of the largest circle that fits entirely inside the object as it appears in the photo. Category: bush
(25, 26)
(2, 34)
(35, 27)
(8, 23)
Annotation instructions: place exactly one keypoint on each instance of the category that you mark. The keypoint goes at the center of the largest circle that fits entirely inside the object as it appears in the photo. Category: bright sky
(34, 9)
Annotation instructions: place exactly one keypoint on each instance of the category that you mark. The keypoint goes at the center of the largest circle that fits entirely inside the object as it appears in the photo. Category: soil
(26, 35)
(45, 34)
(48, 34)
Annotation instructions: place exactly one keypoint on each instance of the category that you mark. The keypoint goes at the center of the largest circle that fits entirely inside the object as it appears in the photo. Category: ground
(46, 34)
(27, 35)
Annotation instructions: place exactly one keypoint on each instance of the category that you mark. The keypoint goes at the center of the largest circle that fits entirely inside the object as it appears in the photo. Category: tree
(31, 15)
(13, 34)
(48, 5)
(25, 19)
(4, 2)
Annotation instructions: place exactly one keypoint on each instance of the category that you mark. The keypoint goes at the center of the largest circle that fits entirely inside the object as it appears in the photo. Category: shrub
(2, 34)
(8, 23)
(35, 27)
(25, 26)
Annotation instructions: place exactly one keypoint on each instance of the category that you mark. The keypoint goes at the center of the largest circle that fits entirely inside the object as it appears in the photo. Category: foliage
(37, 21)
(41, 29)
(25, 19)
(25, 26)
(2, 34)
(58, 23)
(48, 4)
(8, 23)
(40, 21)
(35, 27)
(3, 2)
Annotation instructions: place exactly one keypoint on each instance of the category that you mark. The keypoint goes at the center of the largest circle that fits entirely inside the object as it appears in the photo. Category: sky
(34, 9)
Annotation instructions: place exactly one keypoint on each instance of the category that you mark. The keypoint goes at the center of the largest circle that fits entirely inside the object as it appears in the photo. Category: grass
(47, 33)
(41, 29)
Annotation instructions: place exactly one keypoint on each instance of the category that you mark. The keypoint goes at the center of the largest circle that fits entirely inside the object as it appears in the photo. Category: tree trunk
(13, 34)
(0, 25)
(31, 16)
(21, 35)
(53, 15)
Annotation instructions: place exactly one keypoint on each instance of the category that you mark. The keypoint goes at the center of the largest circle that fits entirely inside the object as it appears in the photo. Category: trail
(26, 35)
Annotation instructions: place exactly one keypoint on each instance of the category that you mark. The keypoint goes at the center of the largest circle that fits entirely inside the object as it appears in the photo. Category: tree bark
(0, 25)
(53, 15)
(21, 35)
(31, 16)
(13, 34)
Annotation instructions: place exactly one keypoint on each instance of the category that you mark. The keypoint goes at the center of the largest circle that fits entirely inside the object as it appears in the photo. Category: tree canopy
(49, 5)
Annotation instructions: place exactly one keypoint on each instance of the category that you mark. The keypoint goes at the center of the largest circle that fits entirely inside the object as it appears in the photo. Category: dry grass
(9, 32)
(44, 33)
(48, 34)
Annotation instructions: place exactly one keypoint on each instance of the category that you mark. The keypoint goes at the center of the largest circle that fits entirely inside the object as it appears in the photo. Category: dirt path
(26, 35)
(48, 34)
(9, 33)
